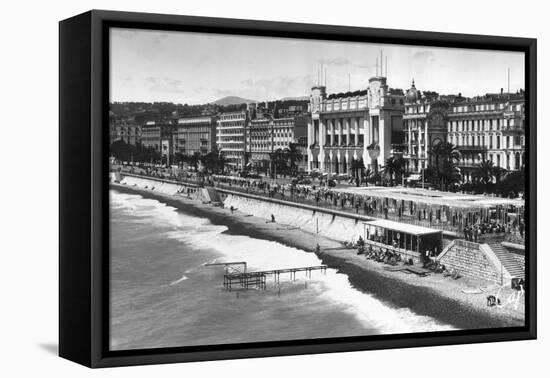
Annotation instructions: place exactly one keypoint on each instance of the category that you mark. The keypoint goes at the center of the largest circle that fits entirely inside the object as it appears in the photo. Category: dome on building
(412, 94)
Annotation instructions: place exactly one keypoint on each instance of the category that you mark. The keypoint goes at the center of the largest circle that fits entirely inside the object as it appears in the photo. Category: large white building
(489, 127)
(360, 125)
(231, 137)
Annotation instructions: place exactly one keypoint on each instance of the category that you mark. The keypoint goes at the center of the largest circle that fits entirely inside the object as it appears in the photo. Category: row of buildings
(247, 137)
(369, 125)
(379, 122)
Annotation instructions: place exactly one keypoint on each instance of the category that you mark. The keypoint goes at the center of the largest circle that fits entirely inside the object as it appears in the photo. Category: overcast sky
(197, 68)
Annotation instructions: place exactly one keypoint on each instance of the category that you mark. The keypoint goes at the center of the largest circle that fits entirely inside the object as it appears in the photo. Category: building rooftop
(402, 227)
(433, 197)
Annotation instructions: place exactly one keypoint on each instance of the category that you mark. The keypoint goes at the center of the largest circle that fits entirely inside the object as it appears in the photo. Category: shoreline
(434, 296)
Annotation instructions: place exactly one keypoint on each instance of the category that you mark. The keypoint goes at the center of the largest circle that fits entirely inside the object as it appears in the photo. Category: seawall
(327, 223)
(334, 224)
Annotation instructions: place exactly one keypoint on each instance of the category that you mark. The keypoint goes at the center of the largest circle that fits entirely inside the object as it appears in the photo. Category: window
(498, 142)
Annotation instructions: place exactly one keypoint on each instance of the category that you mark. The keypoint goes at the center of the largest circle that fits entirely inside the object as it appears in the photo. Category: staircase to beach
(214, 195)
(508, 261)
(491, 261)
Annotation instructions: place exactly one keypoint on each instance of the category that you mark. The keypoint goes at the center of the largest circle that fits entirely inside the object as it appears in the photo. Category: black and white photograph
(276, 189)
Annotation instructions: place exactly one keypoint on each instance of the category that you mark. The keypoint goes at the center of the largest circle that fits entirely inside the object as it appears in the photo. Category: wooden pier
(258, 279)
(235, 266)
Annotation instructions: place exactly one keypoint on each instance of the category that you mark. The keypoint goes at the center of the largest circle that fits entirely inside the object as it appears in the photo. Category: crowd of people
(321, 194)
(484, 231)
(392, 257)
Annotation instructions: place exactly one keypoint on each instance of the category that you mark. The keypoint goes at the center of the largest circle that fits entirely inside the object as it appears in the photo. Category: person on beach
(232, 209)
(272, 218)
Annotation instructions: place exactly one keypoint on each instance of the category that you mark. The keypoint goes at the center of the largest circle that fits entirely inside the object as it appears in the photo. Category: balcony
(513, 129)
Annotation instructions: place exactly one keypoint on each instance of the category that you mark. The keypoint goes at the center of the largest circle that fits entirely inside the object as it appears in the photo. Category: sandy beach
(436, 296)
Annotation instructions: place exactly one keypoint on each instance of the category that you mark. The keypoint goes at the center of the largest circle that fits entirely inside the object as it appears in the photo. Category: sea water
(163, 295)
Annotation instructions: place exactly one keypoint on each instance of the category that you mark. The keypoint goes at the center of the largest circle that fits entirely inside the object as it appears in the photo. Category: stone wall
(470, 260)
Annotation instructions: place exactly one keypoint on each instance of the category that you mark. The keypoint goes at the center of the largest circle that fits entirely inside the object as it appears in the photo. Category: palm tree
(449, 174)
(194, 160)
(294, 155)
(445, 157)
(179, 157)
(395, 166)
(499, 173)
(485, 171)
(513, 184)
(278, 161)
(222, 162)
(368, 174)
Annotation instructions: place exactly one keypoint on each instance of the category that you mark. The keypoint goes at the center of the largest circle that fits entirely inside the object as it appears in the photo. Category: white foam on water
(266, 255)
(181, 279)
(120, 200)
(334, 286)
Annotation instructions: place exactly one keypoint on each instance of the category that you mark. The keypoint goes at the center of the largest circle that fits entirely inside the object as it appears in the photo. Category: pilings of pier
(258, 279)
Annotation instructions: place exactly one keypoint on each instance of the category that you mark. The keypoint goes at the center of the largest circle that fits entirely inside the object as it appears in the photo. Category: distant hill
(232, 100)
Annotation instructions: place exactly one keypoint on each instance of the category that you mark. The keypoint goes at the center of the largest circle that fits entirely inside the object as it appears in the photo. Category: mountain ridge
(232, 100)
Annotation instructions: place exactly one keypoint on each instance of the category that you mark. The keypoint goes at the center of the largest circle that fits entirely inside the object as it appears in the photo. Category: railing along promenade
(329, 204)
(309, 199)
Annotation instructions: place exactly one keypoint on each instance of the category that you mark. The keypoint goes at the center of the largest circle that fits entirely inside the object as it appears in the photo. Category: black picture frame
(83, 182)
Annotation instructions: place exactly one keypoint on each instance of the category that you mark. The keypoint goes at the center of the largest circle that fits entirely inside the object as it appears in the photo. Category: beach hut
(407, 236)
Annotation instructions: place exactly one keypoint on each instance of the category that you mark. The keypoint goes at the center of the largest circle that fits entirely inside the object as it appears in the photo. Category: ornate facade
(489, 127)
(359, 126)
(425, 126)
